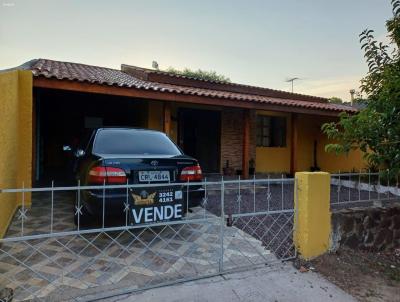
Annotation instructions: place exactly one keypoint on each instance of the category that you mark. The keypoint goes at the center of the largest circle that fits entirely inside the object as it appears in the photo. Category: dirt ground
(367, 276)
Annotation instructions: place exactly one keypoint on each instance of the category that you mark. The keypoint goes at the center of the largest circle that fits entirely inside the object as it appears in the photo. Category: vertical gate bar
(127, 202)
(349, 187)
(187, 198)
(282, 191)
(222, 221)
(296, 212)
(268, 192)
(23, 208)
(104, 200)
(205, 197)
(78, 210)
(52, 206)
(369, 184)
(388, 184)
(239, 197)
(254, 193)
(379, 184)
(359, 186)
(62, 275)
(338, 189)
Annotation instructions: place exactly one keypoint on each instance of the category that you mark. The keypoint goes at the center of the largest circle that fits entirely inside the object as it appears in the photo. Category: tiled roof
(114, 77)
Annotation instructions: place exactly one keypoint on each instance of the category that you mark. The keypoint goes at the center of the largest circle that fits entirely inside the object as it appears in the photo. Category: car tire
(85, 218)
(195, 200)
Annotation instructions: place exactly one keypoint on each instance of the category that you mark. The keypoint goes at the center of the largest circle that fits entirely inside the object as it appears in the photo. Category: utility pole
(292, 80)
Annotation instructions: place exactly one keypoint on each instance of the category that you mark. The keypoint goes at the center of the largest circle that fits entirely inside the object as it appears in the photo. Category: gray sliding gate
(240, 224)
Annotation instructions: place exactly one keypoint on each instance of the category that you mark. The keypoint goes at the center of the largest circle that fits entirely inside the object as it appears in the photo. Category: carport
(68, 118)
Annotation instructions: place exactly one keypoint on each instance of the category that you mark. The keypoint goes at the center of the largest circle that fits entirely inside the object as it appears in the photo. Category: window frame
(266, 134)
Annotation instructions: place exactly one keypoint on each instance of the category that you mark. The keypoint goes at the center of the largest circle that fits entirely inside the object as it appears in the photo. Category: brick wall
(232, 137)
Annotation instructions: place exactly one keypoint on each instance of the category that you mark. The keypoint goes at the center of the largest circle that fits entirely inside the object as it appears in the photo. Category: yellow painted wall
(332, 163)
(274, 159)
(15, 140)
(155, 115)
(309, 129)
(156, 118)
(271, 159)
(174, 123)
(313, 218)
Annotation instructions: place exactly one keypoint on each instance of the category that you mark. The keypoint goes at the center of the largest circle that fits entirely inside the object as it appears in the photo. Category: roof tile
(113, 77)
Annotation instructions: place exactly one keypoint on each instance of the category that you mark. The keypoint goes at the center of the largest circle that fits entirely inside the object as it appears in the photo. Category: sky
(261, 43)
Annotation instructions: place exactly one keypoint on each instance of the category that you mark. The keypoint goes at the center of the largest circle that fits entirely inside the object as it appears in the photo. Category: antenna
(292, 80)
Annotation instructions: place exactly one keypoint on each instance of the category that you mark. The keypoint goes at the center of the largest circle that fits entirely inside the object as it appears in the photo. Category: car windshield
(133, 142)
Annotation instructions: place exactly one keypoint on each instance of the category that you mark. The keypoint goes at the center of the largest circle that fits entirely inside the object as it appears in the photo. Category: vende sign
(157, 213)
(154, 206)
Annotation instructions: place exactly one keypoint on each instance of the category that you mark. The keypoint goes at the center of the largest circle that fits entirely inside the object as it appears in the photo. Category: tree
(200, 74)
(376, 128)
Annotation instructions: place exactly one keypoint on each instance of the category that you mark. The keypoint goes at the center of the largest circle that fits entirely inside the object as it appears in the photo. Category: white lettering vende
(154, 214)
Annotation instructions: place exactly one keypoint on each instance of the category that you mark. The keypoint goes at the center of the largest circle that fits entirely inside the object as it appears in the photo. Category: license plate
(154, 176)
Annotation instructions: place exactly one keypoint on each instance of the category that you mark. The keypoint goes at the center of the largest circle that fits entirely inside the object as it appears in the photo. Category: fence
(363, 189)
(155, 239)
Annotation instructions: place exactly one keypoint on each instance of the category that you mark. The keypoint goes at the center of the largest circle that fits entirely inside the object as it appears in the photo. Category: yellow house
(230, 128)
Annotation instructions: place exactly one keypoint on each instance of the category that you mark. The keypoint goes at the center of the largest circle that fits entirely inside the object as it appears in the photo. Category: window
(133, 142)
(271, 131)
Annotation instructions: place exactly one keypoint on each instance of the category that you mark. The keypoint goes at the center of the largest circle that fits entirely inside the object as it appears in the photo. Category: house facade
(230, 128)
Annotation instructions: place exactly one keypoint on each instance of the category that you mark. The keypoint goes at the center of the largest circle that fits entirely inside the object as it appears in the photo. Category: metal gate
(239, 224)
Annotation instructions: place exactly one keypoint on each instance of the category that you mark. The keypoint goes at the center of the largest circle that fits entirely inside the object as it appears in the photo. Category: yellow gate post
(313, 217)
(15, 141)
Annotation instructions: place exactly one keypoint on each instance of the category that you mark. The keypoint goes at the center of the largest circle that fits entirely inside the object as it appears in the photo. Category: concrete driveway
(281, 283)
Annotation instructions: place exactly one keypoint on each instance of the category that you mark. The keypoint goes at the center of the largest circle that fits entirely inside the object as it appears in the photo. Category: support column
(312, 218)
(167, 118)
(293, 143)
(35, 121)
(246, 143)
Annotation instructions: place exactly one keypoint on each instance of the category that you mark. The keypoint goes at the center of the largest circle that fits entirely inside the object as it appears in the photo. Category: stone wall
(366, 228)
(232, 137)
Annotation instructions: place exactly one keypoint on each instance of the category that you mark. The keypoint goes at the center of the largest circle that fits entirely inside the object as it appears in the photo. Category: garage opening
(68, 118)
(199, 135)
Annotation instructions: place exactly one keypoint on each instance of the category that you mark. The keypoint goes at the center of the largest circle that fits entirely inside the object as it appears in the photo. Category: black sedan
(118, 156)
